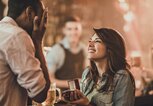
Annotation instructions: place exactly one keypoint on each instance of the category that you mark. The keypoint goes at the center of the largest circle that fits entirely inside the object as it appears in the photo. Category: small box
(74, 84)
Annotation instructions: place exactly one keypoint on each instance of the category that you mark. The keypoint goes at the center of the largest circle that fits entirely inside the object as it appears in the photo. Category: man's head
(72, 29)
(24, 11)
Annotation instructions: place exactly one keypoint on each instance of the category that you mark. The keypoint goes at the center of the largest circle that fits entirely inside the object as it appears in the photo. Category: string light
(129, 16)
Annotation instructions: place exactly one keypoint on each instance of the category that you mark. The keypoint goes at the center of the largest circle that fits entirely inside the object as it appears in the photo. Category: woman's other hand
(78, 98)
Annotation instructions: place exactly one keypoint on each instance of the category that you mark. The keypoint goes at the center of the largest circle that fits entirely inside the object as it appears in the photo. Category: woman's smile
(91, 50)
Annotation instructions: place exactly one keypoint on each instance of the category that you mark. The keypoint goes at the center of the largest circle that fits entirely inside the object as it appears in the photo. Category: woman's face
(96, 48)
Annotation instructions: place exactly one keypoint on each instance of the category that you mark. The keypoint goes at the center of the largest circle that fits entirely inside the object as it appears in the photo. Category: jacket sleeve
(83, 79)
(20, 55)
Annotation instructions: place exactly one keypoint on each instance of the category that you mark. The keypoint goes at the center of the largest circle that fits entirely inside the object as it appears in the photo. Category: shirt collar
(65, 43)
(9, 20)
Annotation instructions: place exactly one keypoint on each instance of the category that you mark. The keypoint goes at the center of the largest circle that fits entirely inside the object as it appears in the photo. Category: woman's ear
(30, 13)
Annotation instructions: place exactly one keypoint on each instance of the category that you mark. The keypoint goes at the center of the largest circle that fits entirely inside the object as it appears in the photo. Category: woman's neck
(101, 66)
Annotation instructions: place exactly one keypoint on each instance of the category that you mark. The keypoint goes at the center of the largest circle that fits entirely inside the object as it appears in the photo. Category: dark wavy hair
(116, 56)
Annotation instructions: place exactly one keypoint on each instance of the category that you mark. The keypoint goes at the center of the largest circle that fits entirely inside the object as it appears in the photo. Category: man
(66, 59)
(23, 71)
(142, 75)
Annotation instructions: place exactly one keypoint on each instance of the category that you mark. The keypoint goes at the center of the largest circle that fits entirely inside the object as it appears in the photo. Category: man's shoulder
(11, 33)
(16, 30)
(55, 50)
(57, 47)
(11, 26)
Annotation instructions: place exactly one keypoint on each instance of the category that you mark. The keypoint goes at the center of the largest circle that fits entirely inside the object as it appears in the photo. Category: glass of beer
(51, 96)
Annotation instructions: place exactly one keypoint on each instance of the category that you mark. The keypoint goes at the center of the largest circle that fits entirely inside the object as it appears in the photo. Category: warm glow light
(121, 0)
(129, 16)
(124, 6)
(135, 54)
(126, 28)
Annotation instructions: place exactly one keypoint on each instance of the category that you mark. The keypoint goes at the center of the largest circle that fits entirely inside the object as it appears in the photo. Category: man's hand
(39, 27)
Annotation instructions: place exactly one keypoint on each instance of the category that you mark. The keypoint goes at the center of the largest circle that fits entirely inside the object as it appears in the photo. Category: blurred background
(132, 18)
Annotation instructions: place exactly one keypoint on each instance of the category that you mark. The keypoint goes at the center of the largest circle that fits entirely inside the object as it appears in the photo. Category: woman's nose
(91, 43)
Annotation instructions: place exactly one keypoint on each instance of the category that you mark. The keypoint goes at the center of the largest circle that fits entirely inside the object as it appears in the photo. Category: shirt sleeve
(83, 80)
(20, 55)
(124, 91)
(55, 58)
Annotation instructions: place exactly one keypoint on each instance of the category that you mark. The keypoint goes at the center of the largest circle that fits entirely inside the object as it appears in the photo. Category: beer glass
(52, 98)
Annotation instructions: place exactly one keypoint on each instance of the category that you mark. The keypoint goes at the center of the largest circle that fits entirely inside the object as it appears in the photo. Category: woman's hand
(78, 98)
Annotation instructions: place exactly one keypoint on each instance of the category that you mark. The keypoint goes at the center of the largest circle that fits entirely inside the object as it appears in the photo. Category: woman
(107, 82)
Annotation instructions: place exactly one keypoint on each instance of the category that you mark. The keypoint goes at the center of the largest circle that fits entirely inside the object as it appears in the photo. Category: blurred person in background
(151, 56)
(23, 70)
(149, 88)
(66, 59)
(141, 75)
(107, 81)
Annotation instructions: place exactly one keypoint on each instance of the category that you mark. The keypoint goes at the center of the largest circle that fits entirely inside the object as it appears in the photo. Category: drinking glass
(51, 96)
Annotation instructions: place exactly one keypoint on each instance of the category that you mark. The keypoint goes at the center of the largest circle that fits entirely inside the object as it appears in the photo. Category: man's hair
(16, 7)
(70, 19)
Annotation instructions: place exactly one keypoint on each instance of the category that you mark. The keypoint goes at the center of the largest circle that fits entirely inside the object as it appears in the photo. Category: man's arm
(37, 37)
(39, 54)
(21, 58)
